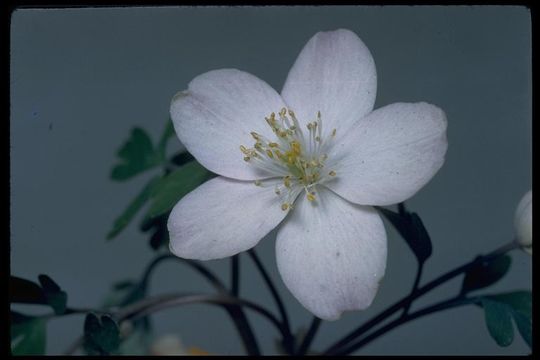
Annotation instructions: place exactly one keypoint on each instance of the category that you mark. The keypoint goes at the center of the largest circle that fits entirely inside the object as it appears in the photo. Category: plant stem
(240, 319)
(288, 338)
(414, 287)
(235, 275)
(416, 294)
(451, 303)
(310, 335)
(154, 304)
(237, 314)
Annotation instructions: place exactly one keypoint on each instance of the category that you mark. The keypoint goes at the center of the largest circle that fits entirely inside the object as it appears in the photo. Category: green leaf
(101, 335)
(182, 158)
(168, 132)
(486, 273)
(56, 297)
(175, 185)
(517, 304)
(25, 291)
(519, 301)
(498, 319)
(412, 229)
(49, 293)
(136, 155)
(123, 220)
(157, 226)
(524, 325)
(28, 337)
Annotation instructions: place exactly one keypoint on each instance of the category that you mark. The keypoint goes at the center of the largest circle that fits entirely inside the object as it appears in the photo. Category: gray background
(82, 78)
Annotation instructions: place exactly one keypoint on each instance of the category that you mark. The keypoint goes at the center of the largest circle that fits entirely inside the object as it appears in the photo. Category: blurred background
(81, 79)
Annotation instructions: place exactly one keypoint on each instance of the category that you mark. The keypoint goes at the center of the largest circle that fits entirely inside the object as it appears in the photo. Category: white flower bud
(523, 222)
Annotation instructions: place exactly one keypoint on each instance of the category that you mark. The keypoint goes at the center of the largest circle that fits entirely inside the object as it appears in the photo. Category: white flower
(320, 157)
(523, 222)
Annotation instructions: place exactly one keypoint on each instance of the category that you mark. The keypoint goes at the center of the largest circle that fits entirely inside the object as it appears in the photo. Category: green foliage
(411, 228)
(175, 185)
(136, 155)
(101, 335)
(55, 297)
(28, 336)
(123, 220)
(486, 273)
(158, 227)
(167, 134)
(27, 292)
(499, 311)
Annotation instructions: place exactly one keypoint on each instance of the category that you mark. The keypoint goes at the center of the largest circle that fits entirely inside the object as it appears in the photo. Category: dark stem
(288, 338)
(419, 292)
(240, 319)
(213, 279)
(451, 303)
(414, 287)
(151, 305)
(310, 335)
(235, 275)
(236, 313)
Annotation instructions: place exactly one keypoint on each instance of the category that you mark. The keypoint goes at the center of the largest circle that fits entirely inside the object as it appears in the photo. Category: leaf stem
(416, 294)
(414, 287)
(235, 275)
(443, 305)
(310, 335)
(287, 336)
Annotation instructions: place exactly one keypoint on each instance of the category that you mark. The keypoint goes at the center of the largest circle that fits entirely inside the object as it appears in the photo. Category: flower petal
(334, 74)
(331, 254)
(217, 114)
(523, 222)
(390, 154)
(221, 218)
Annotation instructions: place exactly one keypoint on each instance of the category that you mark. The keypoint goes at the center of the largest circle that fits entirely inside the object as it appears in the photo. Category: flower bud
(523, 222)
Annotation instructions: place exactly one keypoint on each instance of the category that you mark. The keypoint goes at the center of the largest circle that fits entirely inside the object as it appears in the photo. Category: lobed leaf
(486, 273)
(28, 337)
(123, 220)
(136, 155)
(171, 188)
(412, 229)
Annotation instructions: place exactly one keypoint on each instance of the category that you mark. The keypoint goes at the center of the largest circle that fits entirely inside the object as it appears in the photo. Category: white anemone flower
(523, 222)
(321, 157)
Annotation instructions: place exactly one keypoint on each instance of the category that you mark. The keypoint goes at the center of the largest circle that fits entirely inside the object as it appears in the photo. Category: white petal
(523, 222)
(334, 74)
(390, 154)
(221, 218)
(216, 115)
(331, 254)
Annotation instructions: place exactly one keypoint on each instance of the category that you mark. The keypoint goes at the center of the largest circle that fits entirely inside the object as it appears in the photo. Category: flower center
(297, 157)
